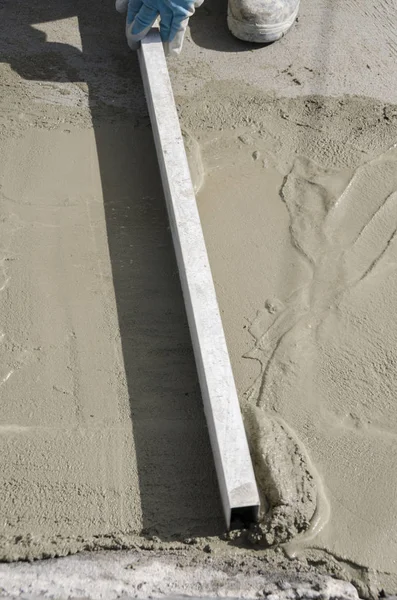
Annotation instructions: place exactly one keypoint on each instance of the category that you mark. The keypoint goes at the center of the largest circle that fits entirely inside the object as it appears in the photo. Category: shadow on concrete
(178, 488)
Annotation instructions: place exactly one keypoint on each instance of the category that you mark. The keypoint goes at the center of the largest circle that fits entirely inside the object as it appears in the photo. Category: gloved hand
(174, 17)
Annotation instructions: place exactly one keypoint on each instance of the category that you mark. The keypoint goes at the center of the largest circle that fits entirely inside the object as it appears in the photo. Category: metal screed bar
(233, 464)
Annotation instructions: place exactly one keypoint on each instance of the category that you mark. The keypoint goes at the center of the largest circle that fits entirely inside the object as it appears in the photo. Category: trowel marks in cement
(303, 248)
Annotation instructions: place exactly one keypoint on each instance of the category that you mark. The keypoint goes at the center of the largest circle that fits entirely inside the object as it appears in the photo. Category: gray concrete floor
(337, 47)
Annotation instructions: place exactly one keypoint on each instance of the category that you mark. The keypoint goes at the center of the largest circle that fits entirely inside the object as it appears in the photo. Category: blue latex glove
(174, 16)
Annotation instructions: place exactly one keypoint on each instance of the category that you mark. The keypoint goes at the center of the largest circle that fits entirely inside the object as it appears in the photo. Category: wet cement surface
(302, 239)
(98, 384)
(89, 282)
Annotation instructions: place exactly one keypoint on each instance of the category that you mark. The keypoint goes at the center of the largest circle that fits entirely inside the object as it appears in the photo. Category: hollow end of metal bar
(243, 516)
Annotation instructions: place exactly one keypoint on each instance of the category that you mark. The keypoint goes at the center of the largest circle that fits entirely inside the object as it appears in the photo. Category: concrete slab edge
(164, 574)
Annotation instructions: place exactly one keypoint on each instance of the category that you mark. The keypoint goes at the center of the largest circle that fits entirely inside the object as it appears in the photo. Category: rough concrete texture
(304, 296)
(170, 573)
(103, 438)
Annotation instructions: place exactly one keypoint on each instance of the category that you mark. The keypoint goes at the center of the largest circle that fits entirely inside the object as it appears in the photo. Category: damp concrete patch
(301, 227)
(98, 381)
(54, 78)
